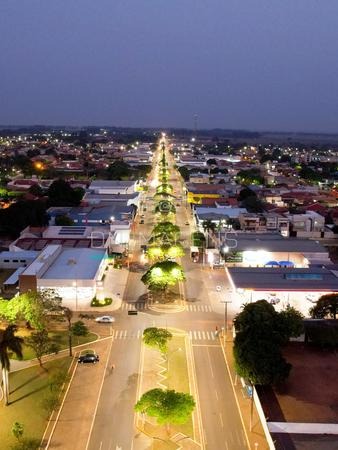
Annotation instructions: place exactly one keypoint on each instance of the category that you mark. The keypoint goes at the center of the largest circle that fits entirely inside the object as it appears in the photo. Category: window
(15, 260)
(6, 260)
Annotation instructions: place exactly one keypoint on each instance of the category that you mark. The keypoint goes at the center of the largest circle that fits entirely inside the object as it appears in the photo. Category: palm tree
(8, 343)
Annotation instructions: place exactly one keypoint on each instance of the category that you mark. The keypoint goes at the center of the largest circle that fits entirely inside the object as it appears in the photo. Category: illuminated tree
(167, 406)
(166, 251)
(163, 274)
(166, 232)
(165, 207)
(164, 188)
(34, 307)
(9, 343)
(157, 338)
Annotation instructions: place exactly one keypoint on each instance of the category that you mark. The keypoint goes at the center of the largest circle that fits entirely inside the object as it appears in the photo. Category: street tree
(165, 232)
(9, 343)
(260, 333)
(41, 344)
(163, 274)
(79, 329)
(167, 406)
(36, 308)
(198, 239)
(165, 207)
(157, 338)
(326, 307)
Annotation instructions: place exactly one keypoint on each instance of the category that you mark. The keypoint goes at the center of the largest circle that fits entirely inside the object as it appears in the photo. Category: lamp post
(225, 318)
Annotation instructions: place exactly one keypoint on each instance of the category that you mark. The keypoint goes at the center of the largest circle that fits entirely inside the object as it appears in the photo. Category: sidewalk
(256, 436)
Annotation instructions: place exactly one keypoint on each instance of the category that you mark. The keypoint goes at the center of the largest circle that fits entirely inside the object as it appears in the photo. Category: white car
(105, 319)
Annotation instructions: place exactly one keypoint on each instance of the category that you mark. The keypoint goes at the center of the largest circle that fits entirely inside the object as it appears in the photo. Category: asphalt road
(113, 423)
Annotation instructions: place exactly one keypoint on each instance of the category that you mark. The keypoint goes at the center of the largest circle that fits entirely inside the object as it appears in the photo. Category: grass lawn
(177, 379)
(59, 337)
(28, 387)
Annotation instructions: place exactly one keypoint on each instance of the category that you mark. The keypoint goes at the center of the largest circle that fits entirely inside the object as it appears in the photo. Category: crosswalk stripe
(199, 308)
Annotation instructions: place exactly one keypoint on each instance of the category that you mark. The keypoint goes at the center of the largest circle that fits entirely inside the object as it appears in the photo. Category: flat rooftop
(110, 183)
(75, 263)
(275, 243)
(283, 279)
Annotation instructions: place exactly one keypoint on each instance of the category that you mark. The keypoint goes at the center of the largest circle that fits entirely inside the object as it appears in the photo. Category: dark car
(89, 358)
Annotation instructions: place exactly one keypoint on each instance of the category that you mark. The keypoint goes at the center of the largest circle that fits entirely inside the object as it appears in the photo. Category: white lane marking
(138, 334)
(199, 334)
(216, 395)
(210, 365)
(99, 395)
(221, 420)
(100, 445)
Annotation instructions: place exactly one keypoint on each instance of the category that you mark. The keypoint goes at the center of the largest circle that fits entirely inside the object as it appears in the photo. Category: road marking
(210, 365)
(236, 399)
(216, 395)
(100, 445)
(221, 420)
(99, 395)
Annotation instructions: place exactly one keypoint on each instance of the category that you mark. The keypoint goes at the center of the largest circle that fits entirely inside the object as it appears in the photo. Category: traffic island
(169, 302)
(172, 371)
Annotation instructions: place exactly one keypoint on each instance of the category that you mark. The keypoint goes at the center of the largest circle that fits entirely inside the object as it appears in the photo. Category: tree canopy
(157, 338)
(261, 332)
(60, 193)
(326, 307)
(34, 307)
(167, 406)
(163, 274)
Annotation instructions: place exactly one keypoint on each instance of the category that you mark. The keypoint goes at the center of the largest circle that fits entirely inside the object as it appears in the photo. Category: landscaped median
(172, 370)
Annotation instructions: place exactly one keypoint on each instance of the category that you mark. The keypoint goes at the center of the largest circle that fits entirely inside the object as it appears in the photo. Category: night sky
(250, 64)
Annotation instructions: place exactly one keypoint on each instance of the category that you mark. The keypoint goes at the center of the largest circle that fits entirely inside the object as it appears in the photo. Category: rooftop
(282, 279)
(75, 263)
(276, 243)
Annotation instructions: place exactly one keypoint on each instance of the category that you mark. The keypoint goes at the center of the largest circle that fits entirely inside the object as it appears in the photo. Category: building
(264, 222)
(112, 187)
(310, 224)
(272, 250)
(299, 287)
(73, 273)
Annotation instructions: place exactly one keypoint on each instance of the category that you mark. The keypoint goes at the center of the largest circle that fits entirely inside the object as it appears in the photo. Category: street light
(218, 289)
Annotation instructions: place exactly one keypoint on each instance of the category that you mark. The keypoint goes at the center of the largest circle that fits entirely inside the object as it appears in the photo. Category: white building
(74, 273)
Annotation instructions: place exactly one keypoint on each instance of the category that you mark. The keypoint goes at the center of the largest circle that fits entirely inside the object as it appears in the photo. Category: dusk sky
(250, 64)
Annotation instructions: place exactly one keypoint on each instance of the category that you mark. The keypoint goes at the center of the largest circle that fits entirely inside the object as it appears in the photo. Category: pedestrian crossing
(138, 306)
(198, 308)
(127, 334)
(194, 335)
(198, 335)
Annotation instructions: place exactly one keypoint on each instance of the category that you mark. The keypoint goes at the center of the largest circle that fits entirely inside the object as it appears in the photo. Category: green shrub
(107, 301)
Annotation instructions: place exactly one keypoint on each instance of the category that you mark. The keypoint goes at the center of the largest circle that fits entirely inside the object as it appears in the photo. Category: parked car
(187, 223)
(141, 221)
(105, 319)
(88, 358)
